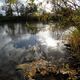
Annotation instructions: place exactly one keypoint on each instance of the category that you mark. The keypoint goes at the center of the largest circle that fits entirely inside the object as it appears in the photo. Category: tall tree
(9, 11)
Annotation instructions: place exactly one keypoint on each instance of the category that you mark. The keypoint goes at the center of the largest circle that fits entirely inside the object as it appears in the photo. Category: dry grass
(74, 41)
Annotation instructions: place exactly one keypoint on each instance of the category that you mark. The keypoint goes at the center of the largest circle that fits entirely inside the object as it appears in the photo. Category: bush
(74, 41)
(68, 17)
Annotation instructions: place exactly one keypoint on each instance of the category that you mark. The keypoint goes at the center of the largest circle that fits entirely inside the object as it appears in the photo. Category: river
(24, 42)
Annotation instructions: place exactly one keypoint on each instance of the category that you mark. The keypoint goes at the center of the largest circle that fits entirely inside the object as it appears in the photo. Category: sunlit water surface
(26, 42)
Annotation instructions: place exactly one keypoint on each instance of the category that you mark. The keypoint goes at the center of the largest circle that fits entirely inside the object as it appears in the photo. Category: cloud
(1, 3)
(23, 1)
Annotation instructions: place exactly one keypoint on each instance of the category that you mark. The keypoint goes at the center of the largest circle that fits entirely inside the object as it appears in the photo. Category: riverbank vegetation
(74, 41)
(69, 17)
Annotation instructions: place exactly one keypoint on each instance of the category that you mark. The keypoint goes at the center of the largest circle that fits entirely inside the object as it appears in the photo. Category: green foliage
(68, 17)
(64, 16)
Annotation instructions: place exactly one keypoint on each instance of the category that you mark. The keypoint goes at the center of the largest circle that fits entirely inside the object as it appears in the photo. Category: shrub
(74, 41)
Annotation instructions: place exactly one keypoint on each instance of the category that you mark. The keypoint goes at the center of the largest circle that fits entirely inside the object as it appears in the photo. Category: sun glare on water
(46, 39)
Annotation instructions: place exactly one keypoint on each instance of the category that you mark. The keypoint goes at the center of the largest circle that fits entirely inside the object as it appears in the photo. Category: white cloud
(23, 1)
(1, 3)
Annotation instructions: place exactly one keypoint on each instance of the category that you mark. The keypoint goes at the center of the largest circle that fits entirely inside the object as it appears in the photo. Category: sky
(1, 2)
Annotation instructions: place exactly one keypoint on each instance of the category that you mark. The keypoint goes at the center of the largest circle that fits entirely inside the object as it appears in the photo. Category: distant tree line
(16, 7)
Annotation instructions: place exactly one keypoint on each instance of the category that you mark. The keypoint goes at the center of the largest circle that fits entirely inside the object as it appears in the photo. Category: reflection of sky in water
(24, 39)
(16, 42)
(4, 38)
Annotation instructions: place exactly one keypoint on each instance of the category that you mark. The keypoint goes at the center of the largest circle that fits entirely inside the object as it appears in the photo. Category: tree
(9, 11)
(22, 10)
(16, 6)
(65, 3)
(31, 7)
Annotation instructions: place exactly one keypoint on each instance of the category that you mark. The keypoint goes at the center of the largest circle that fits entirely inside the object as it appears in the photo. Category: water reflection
(31, 41)
(25, 41)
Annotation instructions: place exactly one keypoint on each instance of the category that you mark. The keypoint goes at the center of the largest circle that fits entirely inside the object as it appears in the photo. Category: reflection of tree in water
(11, 29)
(21, 29)
(31, 28)
(27, 28)
(15, 30)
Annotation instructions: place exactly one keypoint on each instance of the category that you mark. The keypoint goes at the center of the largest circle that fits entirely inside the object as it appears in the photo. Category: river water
(24, 42)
